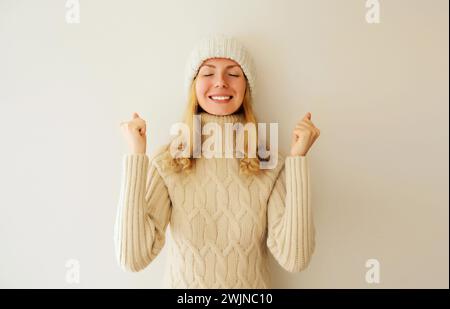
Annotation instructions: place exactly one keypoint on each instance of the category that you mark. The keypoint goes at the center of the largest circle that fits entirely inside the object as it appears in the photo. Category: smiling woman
(225, 213)
(220, 86)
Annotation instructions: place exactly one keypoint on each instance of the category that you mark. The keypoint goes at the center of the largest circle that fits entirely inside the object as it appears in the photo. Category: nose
(220, 82)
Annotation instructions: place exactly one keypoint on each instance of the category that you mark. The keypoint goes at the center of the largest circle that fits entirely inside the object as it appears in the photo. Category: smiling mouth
(225, 99)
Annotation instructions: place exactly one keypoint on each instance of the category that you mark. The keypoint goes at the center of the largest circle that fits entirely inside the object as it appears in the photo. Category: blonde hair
(248, 166)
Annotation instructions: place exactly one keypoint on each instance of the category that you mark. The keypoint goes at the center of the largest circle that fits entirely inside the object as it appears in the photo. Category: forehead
(220, 62)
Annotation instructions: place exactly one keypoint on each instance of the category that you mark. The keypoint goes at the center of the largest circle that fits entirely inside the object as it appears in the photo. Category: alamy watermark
(373, 12)
(73, 271)
(72, 11)
(373, 273)
(214, 146)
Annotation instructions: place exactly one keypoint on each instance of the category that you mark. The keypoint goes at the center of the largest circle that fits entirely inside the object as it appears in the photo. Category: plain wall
(378, 93)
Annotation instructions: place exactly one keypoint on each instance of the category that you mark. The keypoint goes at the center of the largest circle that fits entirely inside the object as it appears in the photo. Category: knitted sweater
(222, 222)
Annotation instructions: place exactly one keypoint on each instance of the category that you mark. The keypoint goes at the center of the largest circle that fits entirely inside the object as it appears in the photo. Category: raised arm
(291, 232)
(143, 213)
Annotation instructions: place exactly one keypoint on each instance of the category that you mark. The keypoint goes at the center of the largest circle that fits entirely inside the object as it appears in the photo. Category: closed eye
(228, 74)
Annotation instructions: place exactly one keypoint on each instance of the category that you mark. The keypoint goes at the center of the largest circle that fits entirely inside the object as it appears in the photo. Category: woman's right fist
(135, 134)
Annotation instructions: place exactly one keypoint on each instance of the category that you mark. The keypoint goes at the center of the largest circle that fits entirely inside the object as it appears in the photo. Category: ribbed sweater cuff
(297, 178)
(296, 163)
(135, 168)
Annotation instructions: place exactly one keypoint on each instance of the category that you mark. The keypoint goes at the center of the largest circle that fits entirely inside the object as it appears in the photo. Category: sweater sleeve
(143, 213)
(291, 232)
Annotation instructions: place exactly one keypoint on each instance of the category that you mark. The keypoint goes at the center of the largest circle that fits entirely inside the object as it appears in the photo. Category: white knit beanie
(219, 46)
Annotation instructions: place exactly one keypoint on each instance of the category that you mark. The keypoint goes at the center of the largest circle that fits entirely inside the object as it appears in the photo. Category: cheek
(240, 87)
(201, 88)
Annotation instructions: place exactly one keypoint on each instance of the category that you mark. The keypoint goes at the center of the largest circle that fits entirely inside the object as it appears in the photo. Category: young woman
(225, 213)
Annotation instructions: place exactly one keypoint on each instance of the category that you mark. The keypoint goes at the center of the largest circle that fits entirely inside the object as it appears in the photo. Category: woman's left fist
(303, 136)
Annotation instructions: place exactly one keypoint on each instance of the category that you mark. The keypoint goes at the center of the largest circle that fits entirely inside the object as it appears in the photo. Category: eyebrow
(227, 67)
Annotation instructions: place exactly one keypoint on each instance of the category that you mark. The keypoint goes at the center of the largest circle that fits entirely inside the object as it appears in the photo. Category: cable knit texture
(223, 223)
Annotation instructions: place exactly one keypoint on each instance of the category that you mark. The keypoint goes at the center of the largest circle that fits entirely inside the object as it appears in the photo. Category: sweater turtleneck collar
(221, 120)
(207, 118)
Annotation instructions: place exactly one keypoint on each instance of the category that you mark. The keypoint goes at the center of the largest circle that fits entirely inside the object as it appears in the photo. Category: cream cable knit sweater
(221, 221)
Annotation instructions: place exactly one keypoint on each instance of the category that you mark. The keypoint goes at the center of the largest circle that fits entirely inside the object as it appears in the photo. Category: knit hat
(219, 46)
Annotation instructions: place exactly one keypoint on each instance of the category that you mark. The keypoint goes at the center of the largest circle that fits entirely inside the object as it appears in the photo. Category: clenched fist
(135, 134)
(304, 136)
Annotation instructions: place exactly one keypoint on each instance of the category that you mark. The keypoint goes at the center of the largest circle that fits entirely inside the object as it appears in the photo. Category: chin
(220, 110)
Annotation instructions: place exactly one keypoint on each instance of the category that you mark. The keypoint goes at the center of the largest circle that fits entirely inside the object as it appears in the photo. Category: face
(220, 86)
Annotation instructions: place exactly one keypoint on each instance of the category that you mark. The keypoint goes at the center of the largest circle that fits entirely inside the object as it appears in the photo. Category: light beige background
(378, 93)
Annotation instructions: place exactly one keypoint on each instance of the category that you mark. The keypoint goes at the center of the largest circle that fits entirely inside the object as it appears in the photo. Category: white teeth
(221, 98)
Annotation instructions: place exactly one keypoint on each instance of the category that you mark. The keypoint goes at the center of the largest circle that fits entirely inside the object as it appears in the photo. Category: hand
(303, 136)
(135, 134)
